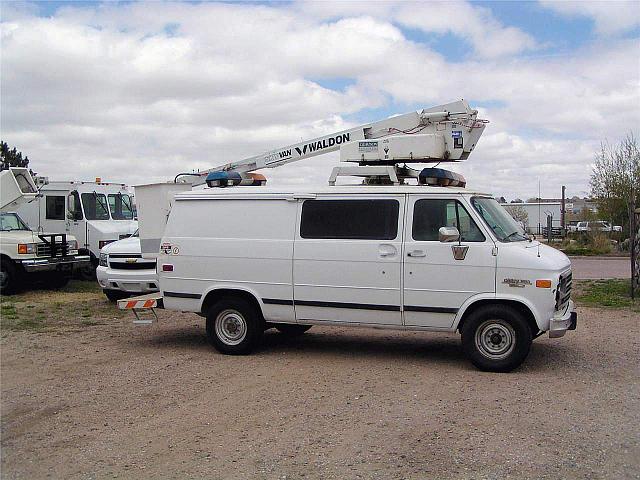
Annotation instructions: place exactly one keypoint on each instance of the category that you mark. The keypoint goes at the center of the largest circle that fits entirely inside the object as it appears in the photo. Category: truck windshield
(503, 225)
(120, 206)
(11, 221)
(95, 206)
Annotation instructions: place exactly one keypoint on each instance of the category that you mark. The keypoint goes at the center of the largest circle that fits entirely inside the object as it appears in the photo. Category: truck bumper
(560, 323)
(53, 263)
(130, 281)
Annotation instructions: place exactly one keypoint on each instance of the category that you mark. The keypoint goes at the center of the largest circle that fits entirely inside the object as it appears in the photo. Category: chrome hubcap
(495, 339)
(231, 327)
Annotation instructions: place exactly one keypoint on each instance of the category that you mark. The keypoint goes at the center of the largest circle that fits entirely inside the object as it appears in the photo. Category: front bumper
(53, 263)
(561, 322)
(130, 281)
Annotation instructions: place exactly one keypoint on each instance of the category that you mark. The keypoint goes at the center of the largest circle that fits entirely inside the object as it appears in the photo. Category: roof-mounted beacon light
(441, 178)
(230, 179)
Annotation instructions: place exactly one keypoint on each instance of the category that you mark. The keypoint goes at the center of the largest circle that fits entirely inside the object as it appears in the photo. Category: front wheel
(234, 326)
(496, 338)
(9, 277)
(115, 295)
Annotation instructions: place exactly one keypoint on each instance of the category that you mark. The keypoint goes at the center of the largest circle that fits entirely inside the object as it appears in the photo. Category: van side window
(429, 215)
(350, 219)
(55, 208)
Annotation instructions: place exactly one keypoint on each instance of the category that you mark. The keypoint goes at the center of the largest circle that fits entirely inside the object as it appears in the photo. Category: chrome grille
(563, 292)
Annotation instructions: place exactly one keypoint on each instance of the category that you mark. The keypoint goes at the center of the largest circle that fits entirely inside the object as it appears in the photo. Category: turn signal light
(23, 248)
(167, 267)
(543, 283)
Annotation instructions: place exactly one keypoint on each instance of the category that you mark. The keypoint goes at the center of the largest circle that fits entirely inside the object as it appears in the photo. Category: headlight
(72, 244)
(103, 260)
(26, 248)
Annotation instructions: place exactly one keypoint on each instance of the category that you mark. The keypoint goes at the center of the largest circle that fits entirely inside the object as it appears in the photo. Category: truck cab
(96, 213)
(407, 257)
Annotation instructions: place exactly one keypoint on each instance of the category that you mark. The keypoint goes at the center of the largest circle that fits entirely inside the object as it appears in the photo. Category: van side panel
(230, 243)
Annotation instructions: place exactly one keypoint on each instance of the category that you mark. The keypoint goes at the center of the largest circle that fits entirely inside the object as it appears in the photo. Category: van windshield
(498, 219)
(95, 206)
(120, 206)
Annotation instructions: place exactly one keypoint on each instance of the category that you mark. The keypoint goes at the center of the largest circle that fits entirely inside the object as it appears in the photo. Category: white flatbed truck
(408, 250)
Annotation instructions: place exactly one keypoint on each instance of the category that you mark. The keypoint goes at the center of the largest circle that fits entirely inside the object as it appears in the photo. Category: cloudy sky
(137, 92)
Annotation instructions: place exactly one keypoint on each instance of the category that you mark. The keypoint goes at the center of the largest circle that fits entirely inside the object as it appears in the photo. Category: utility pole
(563, 214)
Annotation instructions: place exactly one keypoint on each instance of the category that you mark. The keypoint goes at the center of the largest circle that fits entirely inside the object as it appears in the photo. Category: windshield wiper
(512, 234)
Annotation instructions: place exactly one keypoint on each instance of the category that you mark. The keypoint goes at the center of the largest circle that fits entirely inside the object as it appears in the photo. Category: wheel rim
(495, 339)
(231, 327)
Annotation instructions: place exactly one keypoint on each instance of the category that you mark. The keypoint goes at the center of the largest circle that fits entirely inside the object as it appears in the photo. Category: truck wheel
(496, 338)
(292, 330)
(234, 326)
(9, 277)
(115, 295)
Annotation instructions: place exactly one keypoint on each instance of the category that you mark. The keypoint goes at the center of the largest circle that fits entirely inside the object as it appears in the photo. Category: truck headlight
(103, 259)
(26, 248)
(72, 244)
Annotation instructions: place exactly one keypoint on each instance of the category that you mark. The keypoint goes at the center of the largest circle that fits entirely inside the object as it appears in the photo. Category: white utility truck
(96, 213)
(25, 255)
(406, 249)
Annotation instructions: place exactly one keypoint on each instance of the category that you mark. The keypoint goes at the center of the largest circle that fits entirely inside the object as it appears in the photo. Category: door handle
(416, 253)
(386, 250)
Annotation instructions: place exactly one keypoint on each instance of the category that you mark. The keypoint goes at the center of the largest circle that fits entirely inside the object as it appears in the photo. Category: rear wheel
(10, 280)
(291, 329)
(496, 338)
(234, 326)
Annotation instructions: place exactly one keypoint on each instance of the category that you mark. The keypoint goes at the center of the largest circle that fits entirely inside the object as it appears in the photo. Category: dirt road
(594, 268)
(104, 399)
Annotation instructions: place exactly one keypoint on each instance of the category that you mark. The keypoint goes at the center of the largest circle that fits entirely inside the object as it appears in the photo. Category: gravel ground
(110, 400)
(596, 268)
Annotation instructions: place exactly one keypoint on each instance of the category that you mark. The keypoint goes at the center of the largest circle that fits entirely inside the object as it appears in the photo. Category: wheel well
(520, 307)
(216, 295)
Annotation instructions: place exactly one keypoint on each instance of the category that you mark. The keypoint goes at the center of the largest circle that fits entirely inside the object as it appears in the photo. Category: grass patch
(606, 293)
(78, 304)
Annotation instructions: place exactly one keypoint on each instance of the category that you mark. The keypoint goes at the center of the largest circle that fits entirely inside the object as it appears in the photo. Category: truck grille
(44, 250)
(563, 293)
(139, 265)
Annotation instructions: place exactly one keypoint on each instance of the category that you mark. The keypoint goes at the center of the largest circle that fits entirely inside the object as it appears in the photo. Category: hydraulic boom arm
(446, 133)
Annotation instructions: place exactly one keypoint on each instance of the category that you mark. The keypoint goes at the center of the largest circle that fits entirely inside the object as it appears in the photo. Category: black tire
(10, 278)
(234, 326)
(496, 338)
(291, 329)
(115, 295)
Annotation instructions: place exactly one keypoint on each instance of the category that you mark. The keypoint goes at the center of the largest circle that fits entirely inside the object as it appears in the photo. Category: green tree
(11, 158)
(615, 179)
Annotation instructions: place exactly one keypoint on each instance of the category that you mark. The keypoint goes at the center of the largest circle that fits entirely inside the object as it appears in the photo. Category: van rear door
(348, 259)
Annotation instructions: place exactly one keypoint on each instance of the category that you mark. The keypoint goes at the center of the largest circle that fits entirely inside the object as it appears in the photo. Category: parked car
(596, 226)
(122, 272)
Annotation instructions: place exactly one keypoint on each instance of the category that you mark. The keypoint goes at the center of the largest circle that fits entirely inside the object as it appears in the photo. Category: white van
(96, 213)
(407, 258)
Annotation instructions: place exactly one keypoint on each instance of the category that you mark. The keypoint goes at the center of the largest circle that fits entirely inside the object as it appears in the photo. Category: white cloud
(610, 17)
(140, 92)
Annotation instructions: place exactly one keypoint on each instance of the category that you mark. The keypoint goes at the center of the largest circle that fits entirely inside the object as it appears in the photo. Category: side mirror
(72, 207)
(448, 234)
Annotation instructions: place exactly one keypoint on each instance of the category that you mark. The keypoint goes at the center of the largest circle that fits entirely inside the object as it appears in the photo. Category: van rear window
(350, 219)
